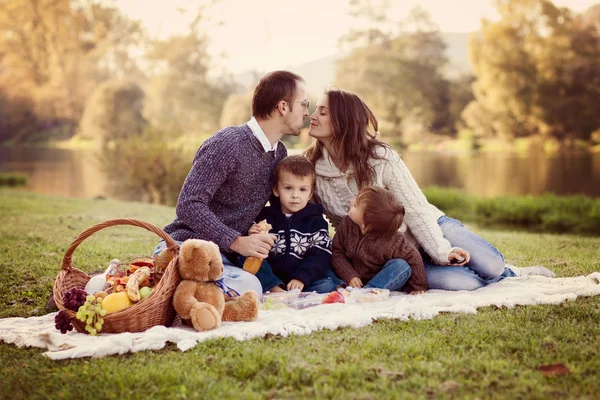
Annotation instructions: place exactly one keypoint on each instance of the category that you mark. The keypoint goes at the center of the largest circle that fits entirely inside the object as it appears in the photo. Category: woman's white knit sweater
(335, 190)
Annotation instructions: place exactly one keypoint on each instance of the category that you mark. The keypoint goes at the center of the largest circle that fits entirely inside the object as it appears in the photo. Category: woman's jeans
(234, 277)
(393, 275)
(486, 265)
(269, 280)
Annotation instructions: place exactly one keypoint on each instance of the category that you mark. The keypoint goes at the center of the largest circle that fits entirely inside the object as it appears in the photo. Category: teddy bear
(200, 299)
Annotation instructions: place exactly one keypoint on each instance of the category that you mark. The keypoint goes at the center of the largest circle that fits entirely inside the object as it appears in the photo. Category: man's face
(297, 112)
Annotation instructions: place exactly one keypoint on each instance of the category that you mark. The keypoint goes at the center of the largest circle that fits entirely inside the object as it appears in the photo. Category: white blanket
(40, 331)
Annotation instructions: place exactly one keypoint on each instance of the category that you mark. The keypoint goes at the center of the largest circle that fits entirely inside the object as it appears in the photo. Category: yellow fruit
(116, 302)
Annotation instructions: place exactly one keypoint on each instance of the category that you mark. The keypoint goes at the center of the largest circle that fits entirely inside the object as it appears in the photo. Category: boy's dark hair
(271, 89)
(383, 213)
(297, 166)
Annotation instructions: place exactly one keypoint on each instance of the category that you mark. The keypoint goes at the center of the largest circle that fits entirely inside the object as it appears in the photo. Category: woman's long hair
(354, 142)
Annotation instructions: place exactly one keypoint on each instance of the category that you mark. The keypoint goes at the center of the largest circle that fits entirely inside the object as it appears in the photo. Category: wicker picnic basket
(157, 309)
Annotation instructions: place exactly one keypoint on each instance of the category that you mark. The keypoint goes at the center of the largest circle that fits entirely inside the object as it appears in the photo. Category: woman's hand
(295, 284)
(459, 257)
(355, 283)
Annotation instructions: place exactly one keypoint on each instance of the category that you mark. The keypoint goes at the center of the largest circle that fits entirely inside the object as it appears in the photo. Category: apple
(145, 292)
(334, 297)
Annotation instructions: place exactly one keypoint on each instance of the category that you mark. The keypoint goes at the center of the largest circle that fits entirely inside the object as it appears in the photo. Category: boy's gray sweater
(229, 183)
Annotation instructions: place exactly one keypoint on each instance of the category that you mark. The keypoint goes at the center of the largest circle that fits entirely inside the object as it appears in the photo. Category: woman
(347, 156)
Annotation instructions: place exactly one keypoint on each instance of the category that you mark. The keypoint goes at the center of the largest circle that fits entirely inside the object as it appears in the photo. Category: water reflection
(75, 172)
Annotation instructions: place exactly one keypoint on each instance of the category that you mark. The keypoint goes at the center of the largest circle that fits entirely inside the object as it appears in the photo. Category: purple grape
(62, 322)
(74, 298)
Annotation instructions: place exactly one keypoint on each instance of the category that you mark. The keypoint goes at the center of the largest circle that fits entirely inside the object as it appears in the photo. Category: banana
(133, 284)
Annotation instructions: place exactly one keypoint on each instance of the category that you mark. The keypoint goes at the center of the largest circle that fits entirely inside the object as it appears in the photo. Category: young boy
(301, 256)
(368, 247)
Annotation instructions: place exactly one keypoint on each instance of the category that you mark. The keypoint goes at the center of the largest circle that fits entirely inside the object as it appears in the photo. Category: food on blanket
(271, 304)
(62, 322)
(370, 295)
(344, 292)
(252, 264)
(74, 298)
(133, 283)
(91, 313)
(145, 292)
(116, 302)
(334, 297)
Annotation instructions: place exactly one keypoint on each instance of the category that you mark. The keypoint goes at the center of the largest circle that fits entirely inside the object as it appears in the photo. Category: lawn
(494, 354)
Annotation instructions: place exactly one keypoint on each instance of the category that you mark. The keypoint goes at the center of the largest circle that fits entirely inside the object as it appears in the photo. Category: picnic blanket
(510, 292)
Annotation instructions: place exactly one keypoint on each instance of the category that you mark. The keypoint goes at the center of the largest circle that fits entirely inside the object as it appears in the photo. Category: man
(231, 177)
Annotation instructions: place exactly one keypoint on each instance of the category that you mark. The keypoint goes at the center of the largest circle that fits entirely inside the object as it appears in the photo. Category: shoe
(534, 270)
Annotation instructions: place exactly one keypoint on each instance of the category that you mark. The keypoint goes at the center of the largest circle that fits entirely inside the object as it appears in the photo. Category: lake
(75, 173)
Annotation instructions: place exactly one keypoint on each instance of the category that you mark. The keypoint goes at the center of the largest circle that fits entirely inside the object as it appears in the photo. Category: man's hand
(355, 283)
(459, 257)
(295, 284)
(253, 246)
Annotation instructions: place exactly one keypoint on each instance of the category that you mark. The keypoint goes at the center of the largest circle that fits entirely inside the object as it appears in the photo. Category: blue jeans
(393, 275)
(486, 265)
(234, 277)
(269, 280)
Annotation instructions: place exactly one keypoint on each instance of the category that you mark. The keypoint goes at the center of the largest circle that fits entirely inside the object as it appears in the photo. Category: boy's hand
(254, 229)
(295, 284)
(355, 283)
(459, 257)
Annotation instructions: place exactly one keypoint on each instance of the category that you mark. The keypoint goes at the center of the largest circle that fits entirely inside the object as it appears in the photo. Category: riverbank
(496, 353)
(547, 213)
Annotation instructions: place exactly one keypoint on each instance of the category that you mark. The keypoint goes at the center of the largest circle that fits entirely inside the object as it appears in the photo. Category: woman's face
(320, 122)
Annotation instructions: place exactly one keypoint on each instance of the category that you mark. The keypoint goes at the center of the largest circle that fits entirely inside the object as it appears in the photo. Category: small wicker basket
(156, 309)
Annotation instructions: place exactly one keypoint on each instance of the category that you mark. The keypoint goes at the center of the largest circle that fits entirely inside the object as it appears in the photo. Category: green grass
(548, 213)
(494, 354)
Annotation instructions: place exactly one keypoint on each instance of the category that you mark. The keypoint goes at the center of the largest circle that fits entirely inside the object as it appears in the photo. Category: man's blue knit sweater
(228, 185)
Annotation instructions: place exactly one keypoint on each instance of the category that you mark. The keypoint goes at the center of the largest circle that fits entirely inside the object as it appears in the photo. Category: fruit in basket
(145, 292)
(334, 297)
(133, 283)
(116, 302)
(91, 313)
(74, 298)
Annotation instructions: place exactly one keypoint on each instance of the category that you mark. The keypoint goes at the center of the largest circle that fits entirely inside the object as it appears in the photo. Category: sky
(266, 35)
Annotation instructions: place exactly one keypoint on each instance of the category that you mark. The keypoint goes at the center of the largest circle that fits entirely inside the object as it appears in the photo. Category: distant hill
(319, 74)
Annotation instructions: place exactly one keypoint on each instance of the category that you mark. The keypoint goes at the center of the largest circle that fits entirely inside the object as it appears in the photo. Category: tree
(113, 111)
(537, 73)
(183, 97)
(57, 51)
(399, 73)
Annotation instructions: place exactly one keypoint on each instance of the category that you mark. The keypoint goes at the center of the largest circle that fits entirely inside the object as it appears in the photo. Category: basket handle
(67, 261)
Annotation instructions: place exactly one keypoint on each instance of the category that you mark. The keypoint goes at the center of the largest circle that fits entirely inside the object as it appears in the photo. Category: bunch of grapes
(74, 298)
(62, 322)
(91, 313)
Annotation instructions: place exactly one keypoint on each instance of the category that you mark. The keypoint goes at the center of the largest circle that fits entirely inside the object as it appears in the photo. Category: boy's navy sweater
(302, 249)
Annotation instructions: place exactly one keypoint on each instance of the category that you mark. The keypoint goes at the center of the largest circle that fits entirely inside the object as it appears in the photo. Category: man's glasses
(305, 103)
